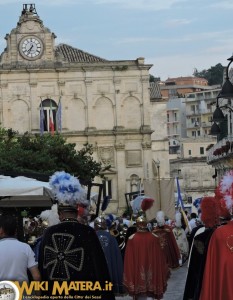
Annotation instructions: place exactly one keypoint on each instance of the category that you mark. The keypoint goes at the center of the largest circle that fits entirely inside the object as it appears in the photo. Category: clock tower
(30, 42)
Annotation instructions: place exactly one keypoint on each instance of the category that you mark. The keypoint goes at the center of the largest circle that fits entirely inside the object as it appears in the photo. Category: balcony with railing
(220, 155)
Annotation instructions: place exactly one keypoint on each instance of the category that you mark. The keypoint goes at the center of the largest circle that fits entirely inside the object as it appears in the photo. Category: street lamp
(227, 88)
(219, 120)
(219, 126)
(218, 115)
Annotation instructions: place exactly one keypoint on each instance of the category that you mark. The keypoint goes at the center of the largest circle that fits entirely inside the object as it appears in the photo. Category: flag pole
(159, 186)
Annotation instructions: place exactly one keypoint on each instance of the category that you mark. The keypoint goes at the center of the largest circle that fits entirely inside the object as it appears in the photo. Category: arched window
(48, 115)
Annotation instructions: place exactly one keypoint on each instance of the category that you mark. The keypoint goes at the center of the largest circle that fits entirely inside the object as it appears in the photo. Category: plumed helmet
(141, 221)
(67, 190)
(210, 211)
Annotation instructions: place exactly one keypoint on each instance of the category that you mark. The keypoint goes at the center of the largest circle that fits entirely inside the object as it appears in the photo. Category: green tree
(46, 154)
(154, 79)
(214, 75)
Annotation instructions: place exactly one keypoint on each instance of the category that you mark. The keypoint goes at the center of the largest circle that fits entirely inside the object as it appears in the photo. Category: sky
(175, 36)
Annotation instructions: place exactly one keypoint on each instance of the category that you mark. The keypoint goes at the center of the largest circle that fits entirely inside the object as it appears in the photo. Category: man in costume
(112, 254)
(71, 252)
(210, 218)
(181, 239)
(167, 241)
(145, 269)
(217, 279)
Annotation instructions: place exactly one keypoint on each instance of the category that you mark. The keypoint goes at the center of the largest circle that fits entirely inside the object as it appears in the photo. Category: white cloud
(142, 4)
(227, 4)
(177, 22)
(224, 37)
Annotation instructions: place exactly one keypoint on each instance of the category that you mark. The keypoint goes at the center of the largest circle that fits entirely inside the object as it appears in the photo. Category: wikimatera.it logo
(13, 290)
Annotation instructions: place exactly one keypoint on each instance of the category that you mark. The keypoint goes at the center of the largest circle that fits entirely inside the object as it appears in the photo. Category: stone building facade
(104, 103)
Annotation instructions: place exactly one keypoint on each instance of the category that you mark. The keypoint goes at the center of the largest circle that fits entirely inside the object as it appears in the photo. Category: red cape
(145, 269)
(217, 280)
(169, 245)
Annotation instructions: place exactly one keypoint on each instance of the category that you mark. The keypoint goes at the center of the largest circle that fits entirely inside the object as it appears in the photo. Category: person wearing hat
(181, 238)
(217, 278)
(112, 254)
(145, 269)
(210, 218)
(167, 241)
(70, 252)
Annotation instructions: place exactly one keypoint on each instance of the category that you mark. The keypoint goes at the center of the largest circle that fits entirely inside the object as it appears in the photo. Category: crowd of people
(126, 254)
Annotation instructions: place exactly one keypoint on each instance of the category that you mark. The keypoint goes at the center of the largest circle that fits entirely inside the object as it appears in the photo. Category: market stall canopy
(24, 192)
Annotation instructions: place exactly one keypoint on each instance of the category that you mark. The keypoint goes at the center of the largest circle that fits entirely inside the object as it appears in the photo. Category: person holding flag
(180, 206)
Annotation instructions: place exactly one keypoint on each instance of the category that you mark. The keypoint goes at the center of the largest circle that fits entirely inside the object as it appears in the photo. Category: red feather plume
(147, 203)
(210, 211)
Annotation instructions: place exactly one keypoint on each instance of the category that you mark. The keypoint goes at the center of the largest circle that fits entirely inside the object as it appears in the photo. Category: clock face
(31, 48)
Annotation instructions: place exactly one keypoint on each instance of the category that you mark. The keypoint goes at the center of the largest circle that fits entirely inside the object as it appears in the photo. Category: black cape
(71, 251)
(197, 265)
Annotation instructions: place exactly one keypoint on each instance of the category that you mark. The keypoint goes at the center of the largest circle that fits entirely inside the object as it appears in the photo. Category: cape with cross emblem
(71, 251)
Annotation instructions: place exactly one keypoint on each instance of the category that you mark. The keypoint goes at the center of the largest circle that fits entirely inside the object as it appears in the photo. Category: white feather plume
(178, 219)
(50, 215)
(160, 217)
(226, 188)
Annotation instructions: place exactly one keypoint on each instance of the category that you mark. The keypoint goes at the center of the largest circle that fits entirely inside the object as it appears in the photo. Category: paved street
(175, 287)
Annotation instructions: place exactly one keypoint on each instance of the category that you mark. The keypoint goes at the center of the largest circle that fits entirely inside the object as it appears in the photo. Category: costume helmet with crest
(210, 211)
(68, 192)
(141, 221)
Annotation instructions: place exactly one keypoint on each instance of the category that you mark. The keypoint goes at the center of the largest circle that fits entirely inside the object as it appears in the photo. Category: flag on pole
(181, 204)
(58, 117)
(51, 122)
(179, 197)
(41, 118)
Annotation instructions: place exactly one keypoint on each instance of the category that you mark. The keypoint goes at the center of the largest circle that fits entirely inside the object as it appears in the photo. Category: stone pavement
(175, 288)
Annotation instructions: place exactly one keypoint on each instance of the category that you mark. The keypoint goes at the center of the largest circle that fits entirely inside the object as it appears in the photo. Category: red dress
(145, 269)
(217, 280)
(169, 245)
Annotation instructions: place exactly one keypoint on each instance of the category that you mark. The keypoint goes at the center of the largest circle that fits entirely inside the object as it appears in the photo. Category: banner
(58, 117)
(164, 194)
(51, 122)
(179, 196)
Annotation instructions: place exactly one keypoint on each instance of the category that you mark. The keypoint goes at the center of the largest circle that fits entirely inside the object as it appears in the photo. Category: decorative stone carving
(146, 145)
(106, 155)
(119, 146)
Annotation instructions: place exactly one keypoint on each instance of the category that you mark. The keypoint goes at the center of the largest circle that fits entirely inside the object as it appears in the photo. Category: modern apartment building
(178, 87)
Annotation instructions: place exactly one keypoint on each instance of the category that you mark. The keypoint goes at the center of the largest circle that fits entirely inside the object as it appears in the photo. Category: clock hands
(29, 50)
